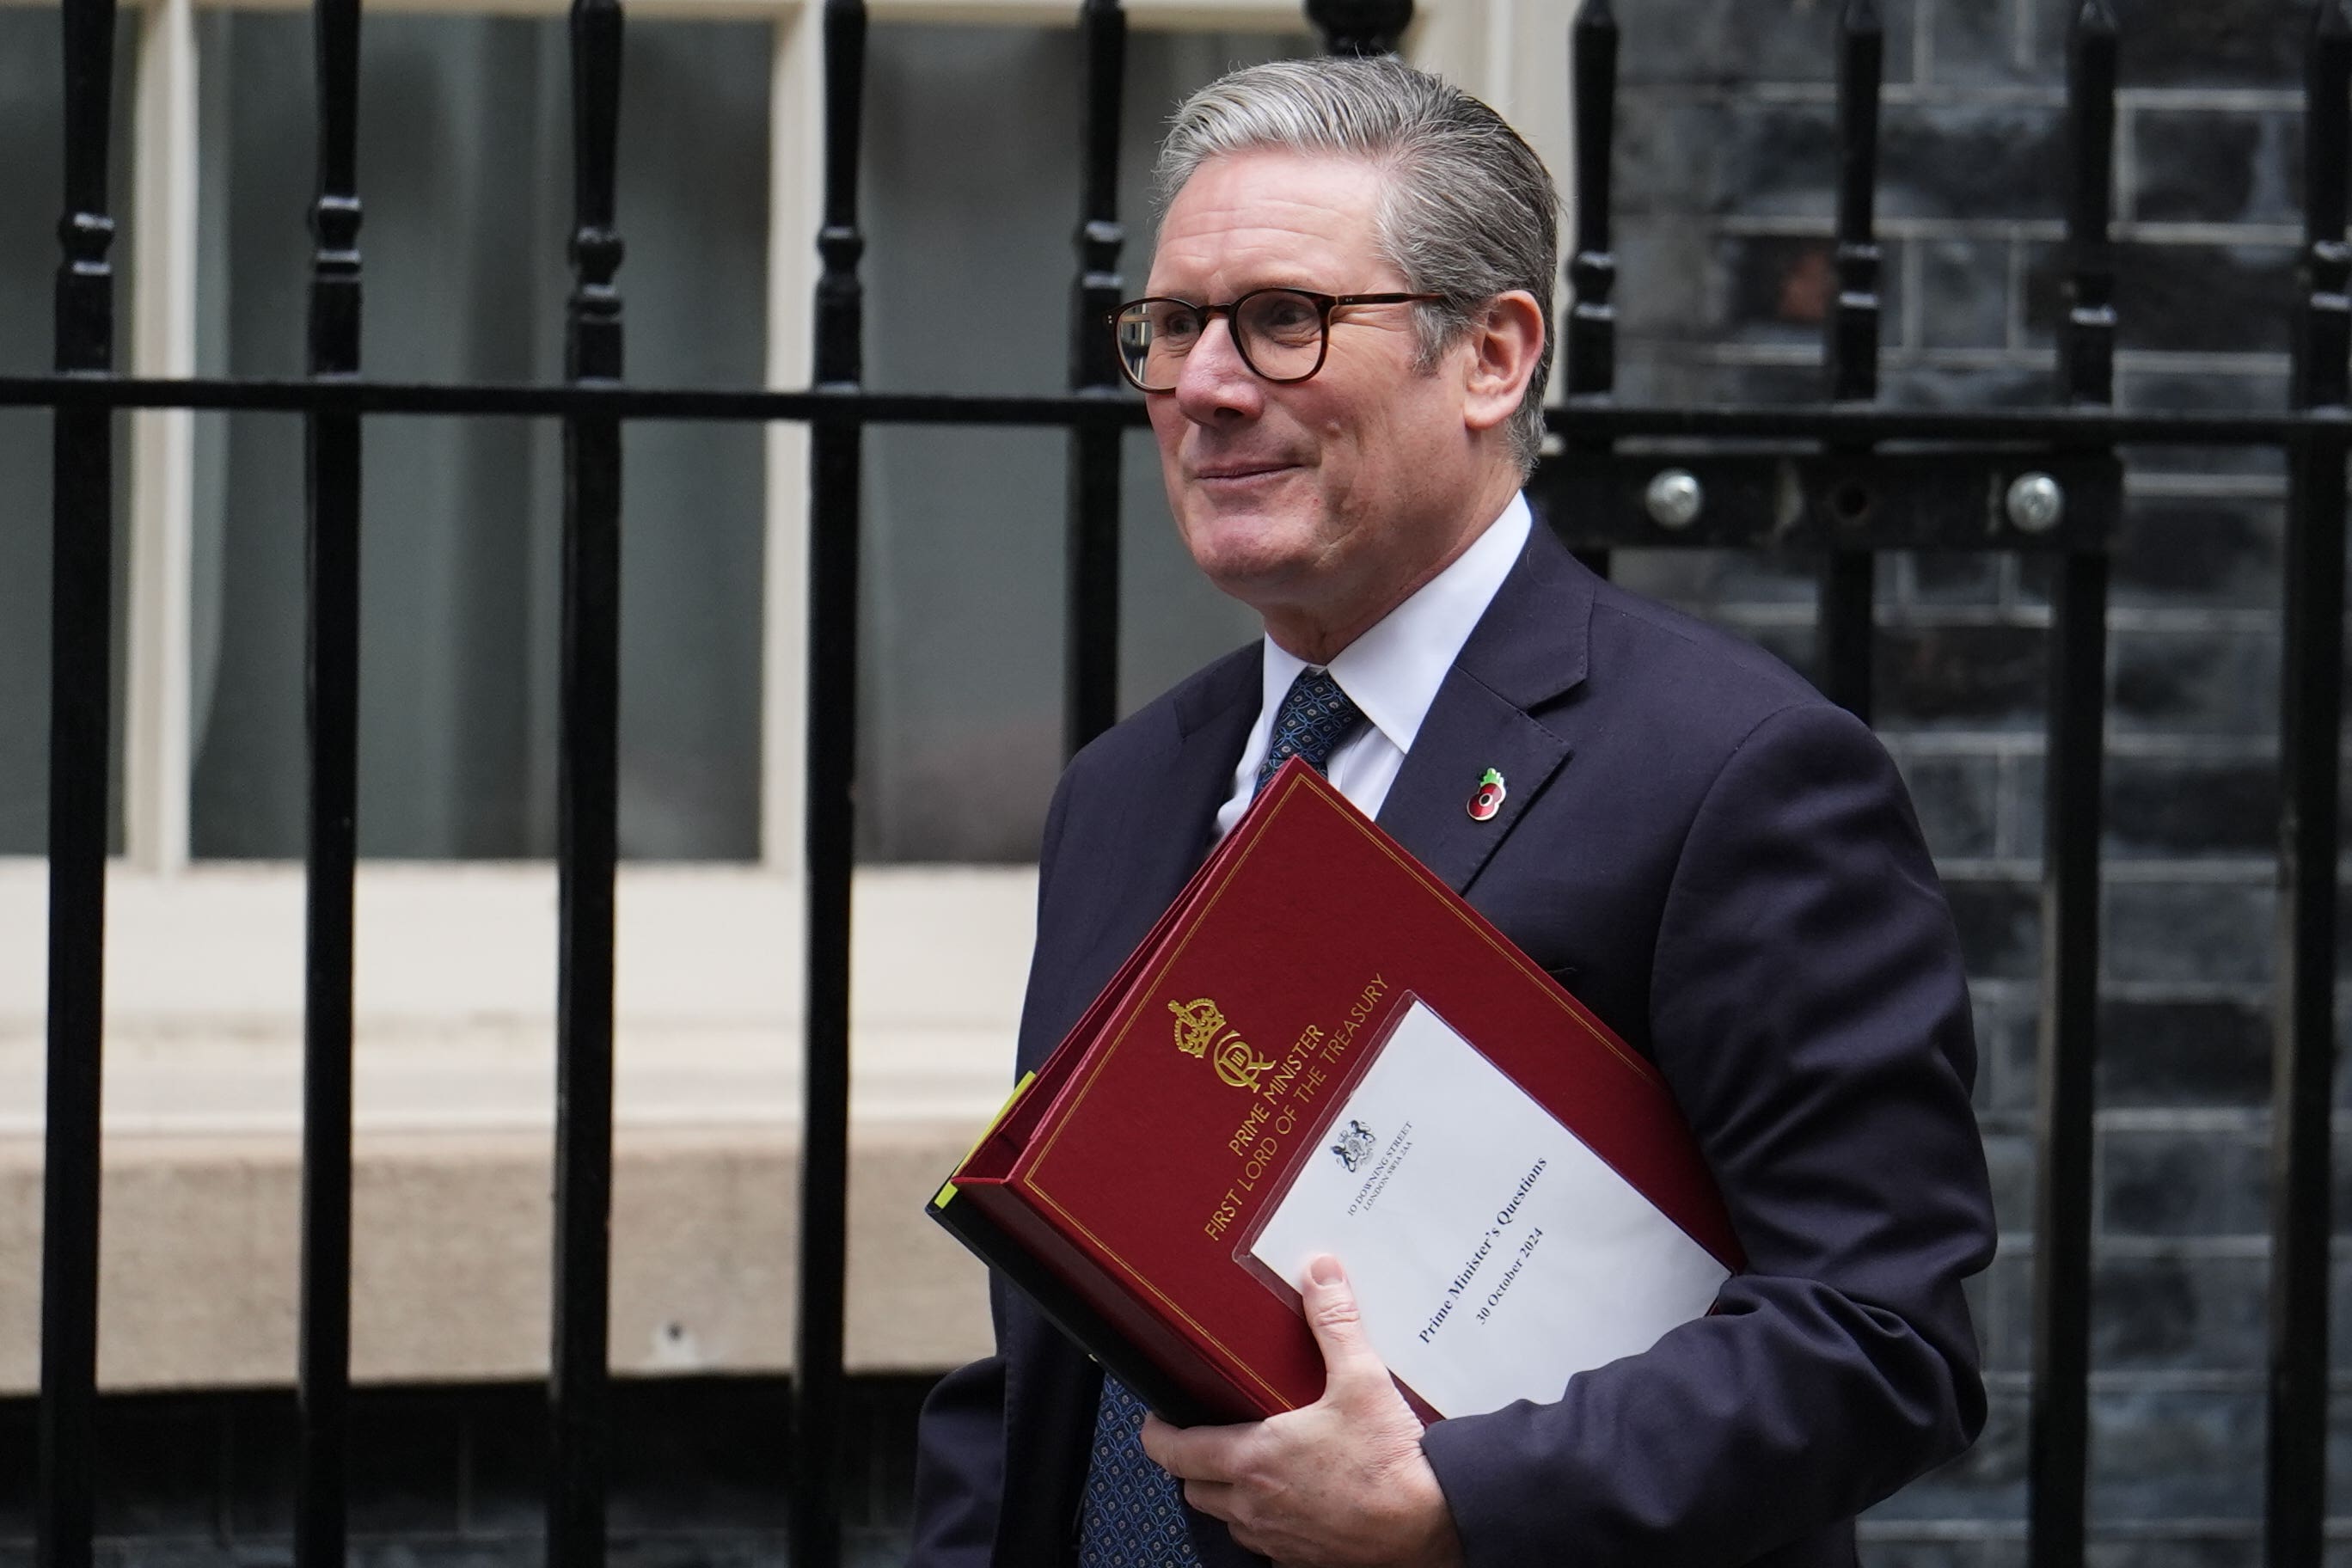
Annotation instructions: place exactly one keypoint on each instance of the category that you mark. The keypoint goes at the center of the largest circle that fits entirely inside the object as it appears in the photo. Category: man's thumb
(1330, 1305)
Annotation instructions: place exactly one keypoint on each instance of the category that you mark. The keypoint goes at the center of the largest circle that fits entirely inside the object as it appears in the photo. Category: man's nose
(1215, 381)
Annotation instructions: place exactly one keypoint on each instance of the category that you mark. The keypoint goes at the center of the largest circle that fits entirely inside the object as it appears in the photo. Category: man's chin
(1245, 539)
(1261, 579)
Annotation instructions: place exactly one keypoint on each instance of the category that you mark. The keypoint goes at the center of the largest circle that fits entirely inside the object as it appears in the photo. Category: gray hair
(1468, 210)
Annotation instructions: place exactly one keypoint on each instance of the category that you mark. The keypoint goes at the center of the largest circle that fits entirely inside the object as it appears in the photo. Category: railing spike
(1090, 649)
(2087, 334)
(1851, 329)
(1591, 330)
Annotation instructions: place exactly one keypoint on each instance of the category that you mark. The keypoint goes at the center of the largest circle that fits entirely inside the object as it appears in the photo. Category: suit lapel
(1176, 807)
(1528, 649)
(1165, 809)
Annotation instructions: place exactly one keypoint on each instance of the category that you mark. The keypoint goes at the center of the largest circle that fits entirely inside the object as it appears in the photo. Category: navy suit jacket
(1724, 867)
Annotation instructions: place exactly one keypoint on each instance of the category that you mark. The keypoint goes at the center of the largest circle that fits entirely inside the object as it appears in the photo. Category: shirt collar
(1393, 670)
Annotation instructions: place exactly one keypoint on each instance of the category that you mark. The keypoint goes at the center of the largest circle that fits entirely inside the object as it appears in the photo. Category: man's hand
(1341, 1483)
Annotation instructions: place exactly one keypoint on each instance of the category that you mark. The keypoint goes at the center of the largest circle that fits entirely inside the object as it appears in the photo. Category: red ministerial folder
(1118, 1185)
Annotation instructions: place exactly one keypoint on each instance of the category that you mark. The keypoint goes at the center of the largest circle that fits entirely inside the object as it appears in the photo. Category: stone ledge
(454, 1067)
(451, 1249)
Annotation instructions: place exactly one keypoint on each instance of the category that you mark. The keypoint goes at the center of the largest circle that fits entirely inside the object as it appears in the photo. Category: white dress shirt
(1393, 671)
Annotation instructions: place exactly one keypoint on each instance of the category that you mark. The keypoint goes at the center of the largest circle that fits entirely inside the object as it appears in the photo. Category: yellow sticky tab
(947, 1188)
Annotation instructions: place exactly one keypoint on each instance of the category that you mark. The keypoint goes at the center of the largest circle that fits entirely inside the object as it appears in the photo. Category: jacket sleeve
(959, 1436)
(959, 1467)
(1808, 1009)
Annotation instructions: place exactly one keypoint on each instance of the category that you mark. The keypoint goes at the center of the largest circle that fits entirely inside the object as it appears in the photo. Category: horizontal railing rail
(2056, 427)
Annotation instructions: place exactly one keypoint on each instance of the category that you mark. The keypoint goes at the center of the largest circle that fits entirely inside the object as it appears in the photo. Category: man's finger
(1193, 1453)
(1330, 1303)
(1161, 1440)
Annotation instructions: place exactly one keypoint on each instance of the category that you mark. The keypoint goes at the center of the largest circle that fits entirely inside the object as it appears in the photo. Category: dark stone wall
(1725, 180)
(456, 1478)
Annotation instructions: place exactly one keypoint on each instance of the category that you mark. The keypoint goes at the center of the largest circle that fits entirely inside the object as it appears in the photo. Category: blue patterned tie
(1133, 1512)
(1316, 717)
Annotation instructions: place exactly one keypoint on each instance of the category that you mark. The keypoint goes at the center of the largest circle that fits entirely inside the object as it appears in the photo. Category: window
(31, 196)
(463, 162)
(464, 168)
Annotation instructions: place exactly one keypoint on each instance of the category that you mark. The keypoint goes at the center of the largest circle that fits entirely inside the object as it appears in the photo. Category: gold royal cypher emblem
(1201, 1032)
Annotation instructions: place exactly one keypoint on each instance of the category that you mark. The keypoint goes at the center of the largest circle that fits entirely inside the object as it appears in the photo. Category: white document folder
(1494, 1256)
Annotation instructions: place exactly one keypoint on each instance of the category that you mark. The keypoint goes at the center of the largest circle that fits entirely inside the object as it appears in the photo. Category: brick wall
(1727, 128)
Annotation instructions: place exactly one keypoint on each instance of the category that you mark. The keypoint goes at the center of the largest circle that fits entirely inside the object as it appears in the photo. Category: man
(1344, 352)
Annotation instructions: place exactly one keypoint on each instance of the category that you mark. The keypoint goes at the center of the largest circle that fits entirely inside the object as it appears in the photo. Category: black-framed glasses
(1282, 334)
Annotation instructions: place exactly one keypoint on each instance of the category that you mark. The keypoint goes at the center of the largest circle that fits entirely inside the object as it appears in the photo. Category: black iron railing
(332, 468)
(1843, 476)
(80, 686)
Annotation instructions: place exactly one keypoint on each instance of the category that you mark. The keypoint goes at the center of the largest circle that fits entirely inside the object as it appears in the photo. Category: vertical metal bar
(1361, 26)
(1590, 371)
(2058, 1419)
(835, 506)
(331, 463)
(1591, 347)
(81, 693)
(1851, 350)
(2086, 338)
(2310, 727)
(588, 810)
(1090, 677)
(2058, 1442)
(1852, 322)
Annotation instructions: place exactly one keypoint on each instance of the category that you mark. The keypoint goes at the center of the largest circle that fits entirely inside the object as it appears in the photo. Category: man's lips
(1241, 470)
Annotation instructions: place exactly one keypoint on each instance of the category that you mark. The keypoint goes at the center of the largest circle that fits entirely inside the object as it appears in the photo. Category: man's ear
(1503, 346)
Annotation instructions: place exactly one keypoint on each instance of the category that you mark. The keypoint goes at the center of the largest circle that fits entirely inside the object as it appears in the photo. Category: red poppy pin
(1488, 800)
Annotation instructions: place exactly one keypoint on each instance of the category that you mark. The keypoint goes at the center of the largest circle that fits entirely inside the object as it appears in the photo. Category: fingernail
(1324, 1270)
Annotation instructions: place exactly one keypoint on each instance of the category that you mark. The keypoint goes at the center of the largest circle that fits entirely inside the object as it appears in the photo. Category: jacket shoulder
(1159, 725)
(1718, 680)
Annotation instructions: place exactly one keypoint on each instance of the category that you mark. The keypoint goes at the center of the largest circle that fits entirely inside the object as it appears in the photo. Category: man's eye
(1178, 326)
(1284, 317)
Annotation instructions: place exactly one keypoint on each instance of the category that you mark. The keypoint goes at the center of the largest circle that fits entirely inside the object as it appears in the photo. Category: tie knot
(1315, 716)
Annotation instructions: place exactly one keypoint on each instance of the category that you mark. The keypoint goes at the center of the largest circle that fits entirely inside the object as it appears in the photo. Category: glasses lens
(1281, 331)
(1154, 336)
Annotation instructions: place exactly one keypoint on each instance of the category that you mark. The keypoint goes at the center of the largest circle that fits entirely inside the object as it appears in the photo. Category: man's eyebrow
(1171, 293)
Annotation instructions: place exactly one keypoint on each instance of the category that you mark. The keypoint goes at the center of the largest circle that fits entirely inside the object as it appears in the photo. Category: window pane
(961, 712)
(465, 177)
(32, 198)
